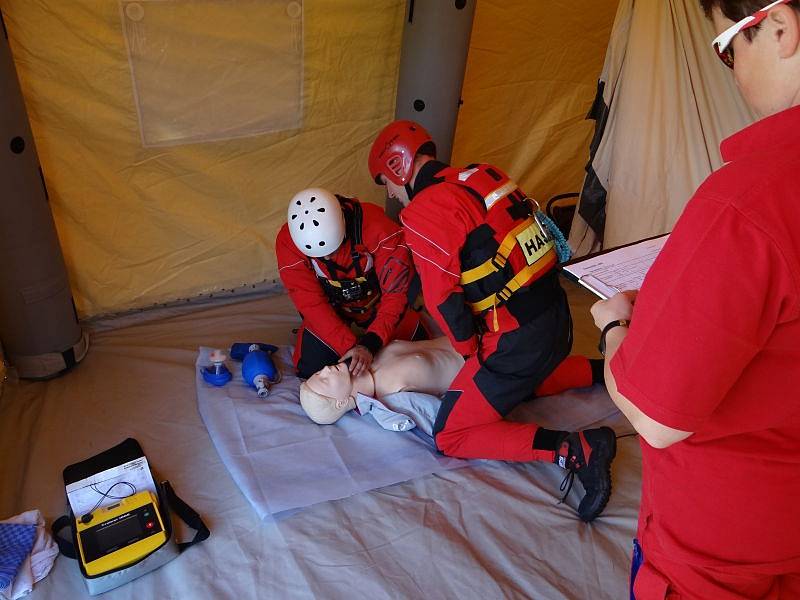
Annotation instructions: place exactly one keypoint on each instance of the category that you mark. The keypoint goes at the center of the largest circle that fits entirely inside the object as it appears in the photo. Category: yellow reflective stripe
(478, 272)
(499, 259)
(485, 304)
(504, 190)
(520, 279)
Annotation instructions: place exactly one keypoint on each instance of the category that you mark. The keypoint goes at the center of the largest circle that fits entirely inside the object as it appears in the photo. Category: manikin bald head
(328, 394)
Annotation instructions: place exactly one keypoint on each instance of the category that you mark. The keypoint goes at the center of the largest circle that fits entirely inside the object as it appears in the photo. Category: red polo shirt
(714, 348)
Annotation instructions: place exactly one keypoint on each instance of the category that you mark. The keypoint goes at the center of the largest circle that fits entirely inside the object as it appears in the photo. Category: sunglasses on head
(722, 43)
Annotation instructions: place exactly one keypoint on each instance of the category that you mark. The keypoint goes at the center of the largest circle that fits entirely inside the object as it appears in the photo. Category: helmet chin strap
(409, 191)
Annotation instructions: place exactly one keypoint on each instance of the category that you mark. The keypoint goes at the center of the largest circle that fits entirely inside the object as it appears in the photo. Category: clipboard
(617, 269)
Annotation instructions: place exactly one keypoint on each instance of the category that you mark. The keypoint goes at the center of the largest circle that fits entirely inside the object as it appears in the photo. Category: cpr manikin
(425, 366)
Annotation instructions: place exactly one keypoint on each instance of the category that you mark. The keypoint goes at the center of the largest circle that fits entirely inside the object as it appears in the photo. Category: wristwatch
(618, 323)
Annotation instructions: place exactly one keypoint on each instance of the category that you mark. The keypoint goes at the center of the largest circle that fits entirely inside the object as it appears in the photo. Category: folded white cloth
(402, 411)
(38, 564)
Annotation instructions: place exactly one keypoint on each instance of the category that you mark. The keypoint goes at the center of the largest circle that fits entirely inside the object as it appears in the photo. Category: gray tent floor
(488, 530)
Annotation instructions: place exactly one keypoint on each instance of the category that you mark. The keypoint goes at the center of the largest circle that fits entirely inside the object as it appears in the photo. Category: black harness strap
(340, 288)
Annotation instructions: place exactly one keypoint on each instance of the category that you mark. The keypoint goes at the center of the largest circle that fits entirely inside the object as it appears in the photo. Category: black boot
(588, 454)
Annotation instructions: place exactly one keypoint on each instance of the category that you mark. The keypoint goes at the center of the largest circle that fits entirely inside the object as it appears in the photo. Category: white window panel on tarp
(214, 69)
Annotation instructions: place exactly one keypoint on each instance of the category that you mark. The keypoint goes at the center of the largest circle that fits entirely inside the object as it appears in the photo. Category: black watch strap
(617, 323)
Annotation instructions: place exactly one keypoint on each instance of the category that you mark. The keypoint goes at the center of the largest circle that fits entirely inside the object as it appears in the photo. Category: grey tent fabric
(671, 102)
(488, 530)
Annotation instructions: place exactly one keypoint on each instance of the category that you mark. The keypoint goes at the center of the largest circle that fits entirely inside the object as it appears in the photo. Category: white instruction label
(107, 487)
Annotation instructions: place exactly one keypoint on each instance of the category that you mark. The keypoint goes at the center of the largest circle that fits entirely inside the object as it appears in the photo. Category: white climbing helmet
(316, 222)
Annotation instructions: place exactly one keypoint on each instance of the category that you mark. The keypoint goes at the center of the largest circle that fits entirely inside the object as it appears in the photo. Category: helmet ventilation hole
(316, 223)
(302, 226)
(321, 209)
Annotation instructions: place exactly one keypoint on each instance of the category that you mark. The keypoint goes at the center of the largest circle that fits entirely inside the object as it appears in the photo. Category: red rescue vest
(511, 249)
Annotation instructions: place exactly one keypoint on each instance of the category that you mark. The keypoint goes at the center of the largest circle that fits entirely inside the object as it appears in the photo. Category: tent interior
(170, 146)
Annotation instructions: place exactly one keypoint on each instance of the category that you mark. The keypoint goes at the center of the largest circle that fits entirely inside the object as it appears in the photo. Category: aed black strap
(188, 515)
(65, 547)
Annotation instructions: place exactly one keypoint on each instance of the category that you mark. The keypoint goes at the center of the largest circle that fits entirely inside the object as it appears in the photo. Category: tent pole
(39, 327)
(432, 63)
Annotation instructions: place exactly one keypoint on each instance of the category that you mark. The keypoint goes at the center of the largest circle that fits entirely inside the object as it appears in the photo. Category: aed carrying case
(169, 504)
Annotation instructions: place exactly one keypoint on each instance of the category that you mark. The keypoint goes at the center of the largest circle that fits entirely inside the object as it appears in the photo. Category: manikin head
(396, 156)
(760, 41)
(328, 394)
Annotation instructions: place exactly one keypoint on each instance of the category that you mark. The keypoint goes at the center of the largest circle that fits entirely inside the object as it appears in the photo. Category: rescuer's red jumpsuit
(489, 279)
(365, 282)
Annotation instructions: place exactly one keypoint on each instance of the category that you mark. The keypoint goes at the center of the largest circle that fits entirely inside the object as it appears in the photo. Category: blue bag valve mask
(258, 369)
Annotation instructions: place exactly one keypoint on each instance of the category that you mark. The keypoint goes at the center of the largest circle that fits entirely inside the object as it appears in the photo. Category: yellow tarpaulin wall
(531, 79)
(143, 225)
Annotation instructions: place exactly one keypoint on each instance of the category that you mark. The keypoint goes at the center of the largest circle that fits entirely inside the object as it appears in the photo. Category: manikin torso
(425, 366)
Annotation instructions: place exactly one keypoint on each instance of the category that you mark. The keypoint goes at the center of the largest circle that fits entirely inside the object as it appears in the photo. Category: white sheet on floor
(282, 460)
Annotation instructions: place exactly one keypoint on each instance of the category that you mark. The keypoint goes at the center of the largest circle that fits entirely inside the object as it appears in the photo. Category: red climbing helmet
(392, 154)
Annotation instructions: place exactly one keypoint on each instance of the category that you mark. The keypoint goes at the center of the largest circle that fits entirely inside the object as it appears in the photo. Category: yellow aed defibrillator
(132, 534)
(120, 534)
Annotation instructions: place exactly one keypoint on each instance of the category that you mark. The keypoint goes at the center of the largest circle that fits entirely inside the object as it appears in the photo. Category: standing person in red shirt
(708, 371)
(344, 264)
(488, 277)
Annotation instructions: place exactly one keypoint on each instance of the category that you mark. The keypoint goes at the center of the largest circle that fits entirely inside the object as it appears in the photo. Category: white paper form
(619, 270)
(119, 482)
